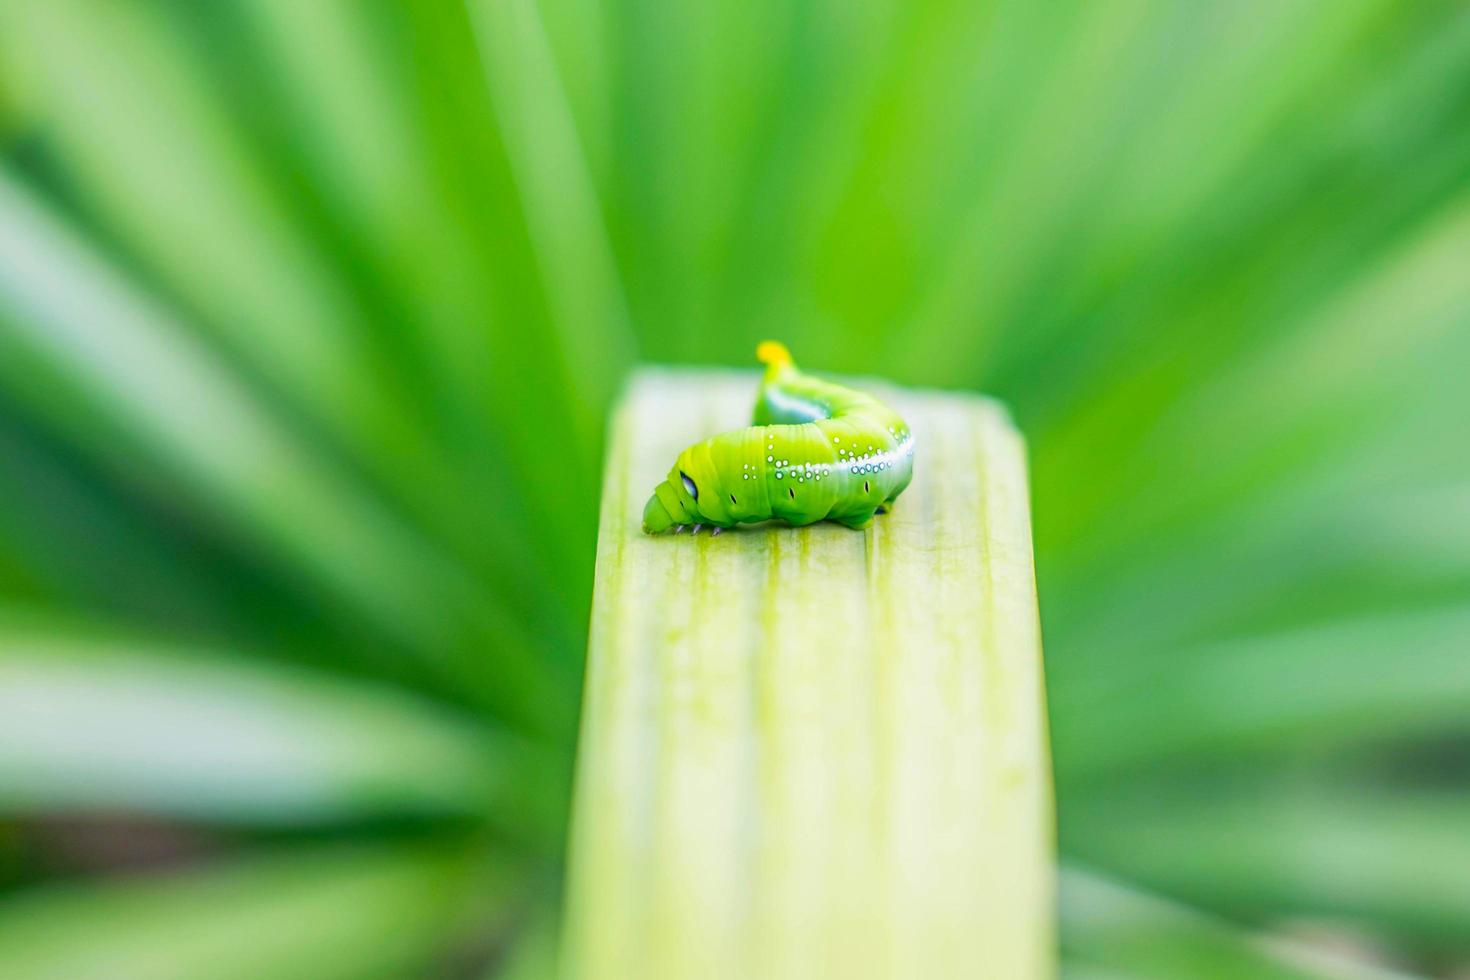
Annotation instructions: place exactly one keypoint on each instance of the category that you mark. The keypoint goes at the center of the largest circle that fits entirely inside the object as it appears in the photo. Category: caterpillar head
(691, 494)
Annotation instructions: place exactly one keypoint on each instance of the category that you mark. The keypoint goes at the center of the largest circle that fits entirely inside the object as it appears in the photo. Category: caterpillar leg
(857, 522)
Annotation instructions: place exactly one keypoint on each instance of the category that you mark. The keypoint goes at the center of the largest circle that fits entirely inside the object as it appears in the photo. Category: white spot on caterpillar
(778, 474)
(770, 459)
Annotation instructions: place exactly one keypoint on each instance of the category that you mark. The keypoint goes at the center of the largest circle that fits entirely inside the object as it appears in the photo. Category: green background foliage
(311, 313)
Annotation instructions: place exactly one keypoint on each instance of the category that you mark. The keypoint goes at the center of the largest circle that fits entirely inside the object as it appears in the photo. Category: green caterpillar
(818, 451)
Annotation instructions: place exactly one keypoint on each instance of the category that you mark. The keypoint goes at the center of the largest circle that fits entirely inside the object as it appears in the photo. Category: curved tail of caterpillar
(817, 451)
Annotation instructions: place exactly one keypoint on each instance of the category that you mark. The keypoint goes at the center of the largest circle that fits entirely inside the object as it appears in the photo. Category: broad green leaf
(317, 913)
(534, 953)
(1323, 408)
(590, 333)
(142, 125)
(74, 335)
(1371, 850)
(357, 138)
(71, 544)
(1110, 931)
(1344, 685)
(155, 152)
(502, 291)
(814, 751)
(94, 721)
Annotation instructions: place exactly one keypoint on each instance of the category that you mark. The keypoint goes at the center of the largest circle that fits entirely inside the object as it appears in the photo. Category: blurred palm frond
(310, 315)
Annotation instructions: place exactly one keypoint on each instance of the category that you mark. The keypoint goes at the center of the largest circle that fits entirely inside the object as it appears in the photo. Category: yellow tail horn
(772, 353)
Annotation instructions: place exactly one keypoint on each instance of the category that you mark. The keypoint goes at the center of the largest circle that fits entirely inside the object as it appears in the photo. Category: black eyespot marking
(689, 485)
(865, 486)
(792, 491)
(733, 500)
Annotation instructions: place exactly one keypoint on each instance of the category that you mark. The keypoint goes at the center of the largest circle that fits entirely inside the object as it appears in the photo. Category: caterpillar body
(818, 451)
